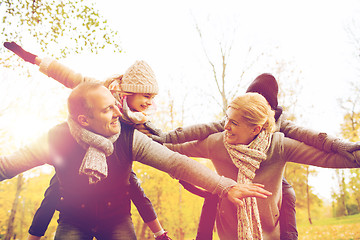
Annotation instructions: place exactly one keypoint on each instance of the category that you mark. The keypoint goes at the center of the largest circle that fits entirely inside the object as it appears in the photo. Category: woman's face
(139, 102)
(237, 130)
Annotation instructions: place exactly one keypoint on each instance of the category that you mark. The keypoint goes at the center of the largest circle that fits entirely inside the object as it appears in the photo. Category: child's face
(139, 102)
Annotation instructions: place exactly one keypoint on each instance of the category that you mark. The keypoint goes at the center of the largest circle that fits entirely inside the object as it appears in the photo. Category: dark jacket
(91, 203)
(48, 205)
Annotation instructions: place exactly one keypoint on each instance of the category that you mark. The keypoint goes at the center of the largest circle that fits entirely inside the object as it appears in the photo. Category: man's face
(139, 102)
(105, 113)
(237, 130)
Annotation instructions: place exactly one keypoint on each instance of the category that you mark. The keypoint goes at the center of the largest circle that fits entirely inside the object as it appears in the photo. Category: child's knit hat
(139, 78)
(266, 85)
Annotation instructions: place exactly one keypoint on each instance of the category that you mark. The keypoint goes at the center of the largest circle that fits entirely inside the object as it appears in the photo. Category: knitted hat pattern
(139, 78)
(266, 85)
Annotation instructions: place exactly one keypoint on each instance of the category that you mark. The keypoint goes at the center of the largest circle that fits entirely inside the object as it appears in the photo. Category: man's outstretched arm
(26, 158)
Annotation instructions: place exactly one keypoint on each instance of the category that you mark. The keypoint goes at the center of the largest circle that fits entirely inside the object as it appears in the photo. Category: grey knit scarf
(97, 147)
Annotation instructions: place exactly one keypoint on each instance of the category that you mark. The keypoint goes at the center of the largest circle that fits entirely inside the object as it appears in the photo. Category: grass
(341, 228)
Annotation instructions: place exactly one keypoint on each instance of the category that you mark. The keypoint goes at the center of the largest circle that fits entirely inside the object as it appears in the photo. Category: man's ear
(257, 130)
(83, 120)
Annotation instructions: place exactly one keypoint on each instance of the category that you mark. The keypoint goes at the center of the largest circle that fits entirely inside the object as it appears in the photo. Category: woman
(249, 150)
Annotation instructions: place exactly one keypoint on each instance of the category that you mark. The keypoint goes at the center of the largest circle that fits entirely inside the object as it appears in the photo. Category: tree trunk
(343, 193)
(143, 230)
(10, 229)
(308, 194)
(341, 202)
(137, 226)
(180, 229)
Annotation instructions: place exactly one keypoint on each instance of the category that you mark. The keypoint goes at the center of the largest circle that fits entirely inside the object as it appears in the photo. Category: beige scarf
(130, 116)
(97, 147)
(247, 159)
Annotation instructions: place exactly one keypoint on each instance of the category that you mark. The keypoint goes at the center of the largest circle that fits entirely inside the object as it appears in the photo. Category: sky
(307, 36)
(309, 33)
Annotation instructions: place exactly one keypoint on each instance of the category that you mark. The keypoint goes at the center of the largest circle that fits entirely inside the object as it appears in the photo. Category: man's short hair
(77, 101)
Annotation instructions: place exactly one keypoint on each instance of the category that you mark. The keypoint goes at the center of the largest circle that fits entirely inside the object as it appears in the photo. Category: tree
(354, 187)
(58, 27)
(308, 194)
(351, 105)
(177, 210)
(10, 229)
(53, 28)
(225, 87)
(352, 29)
(342, 196)
(298, 177)
(350, 130)
(289, 80)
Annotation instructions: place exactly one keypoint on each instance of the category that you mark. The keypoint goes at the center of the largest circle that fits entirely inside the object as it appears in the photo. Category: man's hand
(240, 191)
(15, 48)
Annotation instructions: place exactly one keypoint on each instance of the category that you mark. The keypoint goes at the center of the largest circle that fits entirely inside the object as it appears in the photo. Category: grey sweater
(144, 150)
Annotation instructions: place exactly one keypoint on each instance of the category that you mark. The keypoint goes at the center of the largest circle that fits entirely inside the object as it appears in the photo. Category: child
(134, 92)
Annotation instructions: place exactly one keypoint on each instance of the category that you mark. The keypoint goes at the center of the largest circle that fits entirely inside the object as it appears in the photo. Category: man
(93, 153)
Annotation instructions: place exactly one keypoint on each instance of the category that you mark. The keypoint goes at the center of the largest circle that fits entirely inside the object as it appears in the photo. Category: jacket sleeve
(299, 152)
(194, 132)
(140, 200)
(198, 149)
(313, 138)
(178, 166)
(46, 210)
(63, 74)
(28, 157)
(152, 129)
(192, 149)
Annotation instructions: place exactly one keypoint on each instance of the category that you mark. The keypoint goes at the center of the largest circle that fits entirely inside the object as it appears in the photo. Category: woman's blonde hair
(255, 110)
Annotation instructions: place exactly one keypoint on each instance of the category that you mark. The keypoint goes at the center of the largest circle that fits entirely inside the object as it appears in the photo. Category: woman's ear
(83, 121)
(257, 129)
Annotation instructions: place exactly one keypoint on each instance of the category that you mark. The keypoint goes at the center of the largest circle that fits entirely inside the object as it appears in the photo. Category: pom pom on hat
(266, 85)
(139, 78)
